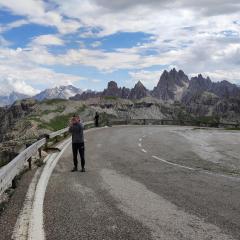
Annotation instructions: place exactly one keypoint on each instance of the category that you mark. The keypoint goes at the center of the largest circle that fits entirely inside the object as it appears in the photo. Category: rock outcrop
(11, 98)
(86, 95)
(171, 85)
(9, 116)
(198, 85)
(139, 91)
(112, 90)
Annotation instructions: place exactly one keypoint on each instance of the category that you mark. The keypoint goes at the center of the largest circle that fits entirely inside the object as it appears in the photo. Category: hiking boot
(83, 170)
(74, 170)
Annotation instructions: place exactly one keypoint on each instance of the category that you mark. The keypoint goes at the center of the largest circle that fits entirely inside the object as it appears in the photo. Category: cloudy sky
(89, 42)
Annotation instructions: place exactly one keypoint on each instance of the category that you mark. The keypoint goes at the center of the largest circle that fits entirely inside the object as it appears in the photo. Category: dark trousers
(78, 147)
(96, 123)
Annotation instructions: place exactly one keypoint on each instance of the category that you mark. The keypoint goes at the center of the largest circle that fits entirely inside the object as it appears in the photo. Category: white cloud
(11, 25)
(219, 75)
(47, 40)
(148, 78)
(9, 85)
(25, 78)
(200, 36)
(4, 42)
(96, 44)
(40, 13)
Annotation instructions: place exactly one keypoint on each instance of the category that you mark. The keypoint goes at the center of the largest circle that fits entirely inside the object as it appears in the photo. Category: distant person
(96, 119)
(76, 129)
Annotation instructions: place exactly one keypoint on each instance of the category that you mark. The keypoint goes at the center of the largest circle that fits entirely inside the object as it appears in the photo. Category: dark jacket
(77, 133)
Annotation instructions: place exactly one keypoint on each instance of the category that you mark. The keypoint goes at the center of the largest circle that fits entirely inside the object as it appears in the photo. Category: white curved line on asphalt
(140, 139)
(20, 231)
(143, 150)
(233, 178)
(36, 228)
(174, 164)
(140, 145)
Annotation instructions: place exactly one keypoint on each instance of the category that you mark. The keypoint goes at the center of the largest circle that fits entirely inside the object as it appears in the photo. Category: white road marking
(174, 164)
(164, 219)
(140, 145)
(234, 178)
(29, 224)
(36, 228)
(99, 145)
(20, 231)
(143, 150)
(140, 139)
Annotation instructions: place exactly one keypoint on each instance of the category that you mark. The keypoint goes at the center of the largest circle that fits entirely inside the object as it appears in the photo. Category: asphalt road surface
(148, 183)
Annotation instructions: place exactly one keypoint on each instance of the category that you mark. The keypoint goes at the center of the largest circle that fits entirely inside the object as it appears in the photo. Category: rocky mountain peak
(139, 84)
(62, 92)
(139, 91)
(171, 85)
(112, 85)
(200, 83)
(112, 90)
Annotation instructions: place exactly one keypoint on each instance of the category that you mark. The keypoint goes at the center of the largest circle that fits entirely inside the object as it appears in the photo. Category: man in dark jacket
(96, 119)
(76, 129)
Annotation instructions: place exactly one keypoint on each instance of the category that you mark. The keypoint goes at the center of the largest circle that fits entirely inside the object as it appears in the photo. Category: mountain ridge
(172, 86)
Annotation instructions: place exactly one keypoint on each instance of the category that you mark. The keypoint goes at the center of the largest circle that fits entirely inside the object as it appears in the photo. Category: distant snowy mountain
(62, 92)
(11, 98)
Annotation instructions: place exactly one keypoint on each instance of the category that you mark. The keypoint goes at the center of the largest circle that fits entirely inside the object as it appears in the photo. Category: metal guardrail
(13, 168)
(65, 130)
(9, 172)
(55, 134)
(171, 122)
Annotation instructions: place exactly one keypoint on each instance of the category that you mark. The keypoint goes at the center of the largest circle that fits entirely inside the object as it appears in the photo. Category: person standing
(76, 129)
(96, 119)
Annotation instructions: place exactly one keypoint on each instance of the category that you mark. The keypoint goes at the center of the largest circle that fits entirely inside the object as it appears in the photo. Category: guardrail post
(14, 183)
(30, 163)
(47, 139)
(40, 152)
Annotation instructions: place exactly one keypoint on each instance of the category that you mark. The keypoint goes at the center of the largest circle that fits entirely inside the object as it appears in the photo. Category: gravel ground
(10, 214)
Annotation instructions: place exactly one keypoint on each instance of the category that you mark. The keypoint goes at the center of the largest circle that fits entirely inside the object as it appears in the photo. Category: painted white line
(20, 231)
(140, 139)
(143, 150)
(29, 224)
(140, 145)
(199, 170)
(174, 164)
(234, 178)
(36, 228)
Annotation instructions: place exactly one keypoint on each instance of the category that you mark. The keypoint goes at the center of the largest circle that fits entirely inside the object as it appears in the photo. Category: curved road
(148, 183)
